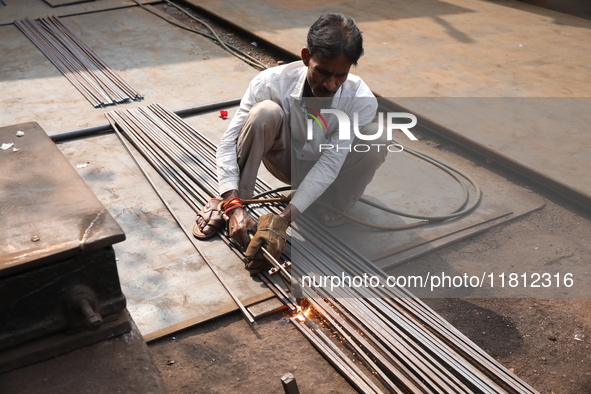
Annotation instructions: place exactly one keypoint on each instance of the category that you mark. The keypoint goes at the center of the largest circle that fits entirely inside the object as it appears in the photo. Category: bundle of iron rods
(388, 340)
(78, 62)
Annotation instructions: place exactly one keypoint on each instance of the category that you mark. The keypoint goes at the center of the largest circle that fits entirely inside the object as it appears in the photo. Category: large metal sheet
(463, 48)
(426, 48)
(545, 138)
(20, 9)
(167, 285)
(166, 64)
(61, 3)
(48, 212)
(411, 185)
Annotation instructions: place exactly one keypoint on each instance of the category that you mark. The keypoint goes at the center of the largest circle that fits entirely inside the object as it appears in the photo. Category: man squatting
(271, 127)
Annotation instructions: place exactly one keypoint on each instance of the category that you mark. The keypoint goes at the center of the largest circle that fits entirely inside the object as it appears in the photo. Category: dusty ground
(227, 356)
(545, 341)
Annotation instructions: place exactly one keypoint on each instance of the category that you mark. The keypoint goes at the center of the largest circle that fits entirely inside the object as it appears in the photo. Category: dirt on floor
(546, 342)
(226, 355)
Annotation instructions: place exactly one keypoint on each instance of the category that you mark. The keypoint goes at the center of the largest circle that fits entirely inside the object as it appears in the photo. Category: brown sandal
(209, 213)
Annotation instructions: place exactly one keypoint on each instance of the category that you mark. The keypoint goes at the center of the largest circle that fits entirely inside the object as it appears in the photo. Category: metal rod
(289, 383)
(90, 131)
(405, 343)
(97, 82)
(336, 358)
(274, 262)
(242, 308)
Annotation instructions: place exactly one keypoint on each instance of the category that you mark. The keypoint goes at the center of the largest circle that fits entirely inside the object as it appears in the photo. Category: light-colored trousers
(266, 138)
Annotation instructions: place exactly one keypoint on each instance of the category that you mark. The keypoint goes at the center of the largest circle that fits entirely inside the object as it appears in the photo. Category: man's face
(325, 76)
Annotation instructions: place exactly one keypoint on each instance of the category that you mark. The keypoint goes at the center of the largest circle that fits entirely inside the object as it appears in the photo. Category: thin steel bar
(313, 252)
(406, 342)
(279, 292)
(68, 64)
(345, 299)
(97, 82)
(242, 308)
(406, 298)
(361, 315)
(347, 332)
(35, 39)
(336, 358)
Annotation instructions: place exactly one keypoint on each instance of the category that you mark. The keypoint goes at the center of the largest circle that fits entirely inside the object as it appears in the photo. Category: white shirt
(285, 86)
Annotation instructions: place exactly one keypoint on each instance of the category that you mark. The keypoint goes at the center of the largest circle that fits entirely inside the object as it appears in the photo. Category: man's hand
(240, 225)
(271, 235)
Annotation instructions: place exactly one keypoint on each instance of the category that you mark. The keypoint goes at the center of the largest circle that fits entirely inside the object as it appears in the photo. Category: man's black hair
(335, 34)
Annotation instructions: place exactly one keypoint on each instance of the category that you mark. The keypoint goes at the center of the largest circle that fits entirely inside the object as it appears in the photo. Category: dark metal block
(41, 301)
(59, 286)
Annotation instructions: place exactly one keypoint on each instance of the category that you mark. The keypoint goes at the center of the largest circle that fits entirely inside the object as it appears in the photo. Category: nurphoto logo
(345, 129)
